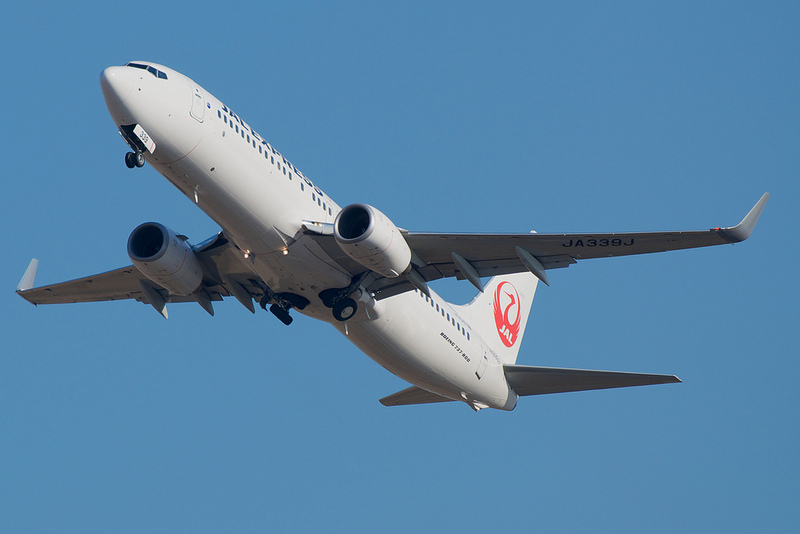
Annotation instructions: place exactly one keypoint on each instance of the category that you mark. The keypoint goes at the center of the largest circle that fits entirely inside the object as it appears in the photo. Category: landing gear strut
(134, 159)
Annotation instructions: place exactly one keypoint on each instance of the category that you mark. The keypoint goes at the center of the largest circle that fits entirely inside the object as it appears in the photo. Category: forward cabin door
(198, 102)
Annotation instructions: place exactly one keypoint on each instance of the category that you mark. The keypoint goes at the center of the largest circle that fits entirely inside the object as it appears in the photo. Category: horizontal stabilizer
(529, 380)
(412, 395)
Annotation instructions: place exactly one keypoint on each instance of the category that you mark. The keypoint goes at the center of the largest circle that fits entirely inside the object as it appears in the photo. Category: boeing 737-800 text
(288, 246)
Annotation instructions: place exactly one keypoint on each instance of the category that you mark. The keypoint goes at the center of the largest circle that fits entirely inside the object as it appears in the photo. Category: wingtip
(28, 278)
(742, 231)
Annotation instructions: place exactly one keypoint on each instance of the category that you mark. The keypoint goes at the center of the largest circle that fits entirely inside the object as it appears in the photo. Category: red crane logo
(506, 310)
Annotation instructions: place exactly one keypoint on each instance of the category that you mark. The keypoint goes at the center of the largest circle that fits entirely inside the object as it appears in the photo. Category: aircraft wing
(473, 256)
(222, 269)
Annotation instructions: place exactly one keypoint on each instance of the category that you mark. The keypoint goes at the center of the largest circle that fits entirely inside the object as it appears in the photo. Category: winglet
(30, 274)
(742, 231)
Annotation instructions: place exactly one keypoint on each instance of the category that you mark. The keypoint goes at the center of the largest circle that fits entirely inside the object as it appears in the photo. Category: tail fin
(500, 313)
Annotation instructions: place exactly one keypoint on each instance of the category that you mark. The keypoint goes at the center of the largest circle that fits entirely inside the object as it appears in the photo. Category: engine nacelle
(370, 238)
(165, 258)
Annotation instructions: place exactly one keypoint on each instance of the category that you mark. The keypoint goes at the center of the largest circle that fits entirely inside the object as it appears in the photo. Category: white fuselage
(261, 202)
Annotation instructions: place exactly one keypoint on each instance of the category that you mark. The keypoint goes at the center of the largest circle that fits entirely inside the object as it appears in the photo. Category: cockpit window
(152, 70)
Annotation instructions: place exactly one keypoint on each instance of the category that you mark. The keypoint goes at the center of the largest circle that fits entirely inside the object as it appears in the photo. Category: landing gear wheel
(134, 159)
(344, 309)
(281, 314)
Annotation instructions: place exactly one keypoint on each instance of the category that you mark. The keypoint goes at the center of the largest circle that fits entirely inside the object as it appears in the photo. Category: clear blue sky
(457, 116)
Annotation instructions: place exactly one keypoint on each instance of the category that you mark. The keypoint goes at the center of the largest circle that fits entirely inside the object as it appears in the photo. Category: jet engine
(370, 238)
(165, 258)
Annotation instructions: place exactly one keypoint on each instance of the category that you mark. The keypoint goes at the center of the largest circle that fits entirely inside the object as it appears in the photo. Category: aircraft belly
(228, 192)
(259, 222)
(407, 340)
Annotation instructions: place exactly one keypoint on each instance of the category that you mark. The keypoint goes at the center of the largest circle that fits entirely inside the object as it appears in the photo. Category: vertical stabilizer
(500, 313)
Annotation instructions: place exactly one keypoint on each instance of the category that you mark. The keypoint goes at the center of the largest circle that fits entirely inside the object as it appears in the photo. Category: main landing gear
(134, 159)
(344, 309)
(281, 303)
(342, 306)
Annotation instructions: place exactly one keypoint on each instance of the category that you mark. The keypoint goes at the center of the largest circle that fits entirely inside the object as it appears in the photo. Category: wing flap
(529, 380)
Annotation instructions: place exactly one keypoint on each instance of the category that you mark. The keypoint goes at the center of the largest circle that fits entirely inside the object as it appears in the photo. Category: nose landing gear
(134, 159)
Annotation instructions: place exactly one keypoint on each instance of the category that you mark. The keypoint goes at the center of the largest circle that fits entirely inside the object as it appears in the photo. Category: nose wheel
(134, 159)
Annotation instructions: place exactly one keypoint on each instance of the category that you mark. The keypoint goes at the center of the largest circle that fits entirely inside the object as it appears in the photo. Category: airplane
(288, 246)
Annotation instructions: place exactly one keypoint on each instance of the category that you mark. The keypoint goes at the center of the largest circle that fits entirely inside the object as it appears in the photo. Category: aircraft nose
(117, 84)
